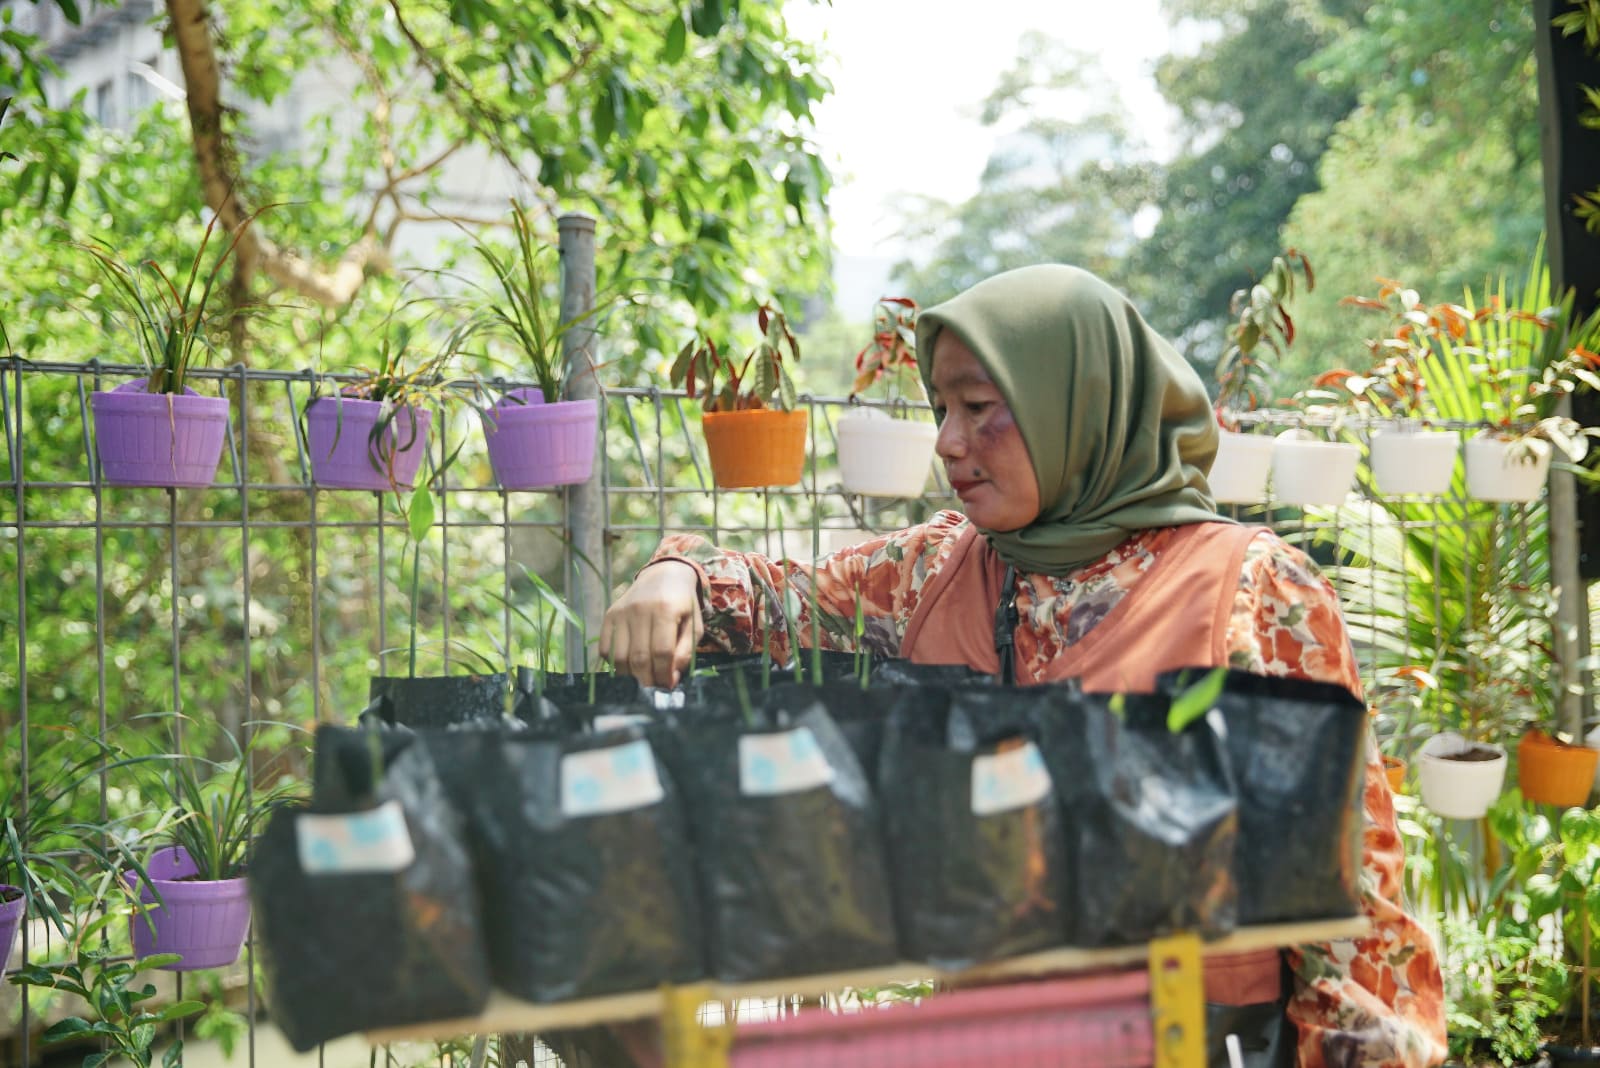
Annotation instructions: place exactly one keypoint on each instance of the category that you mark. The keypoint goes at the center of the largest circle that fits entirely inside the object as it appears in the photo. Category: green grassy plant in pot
(156, 430)
(754, 434)
(433, 700)
(882, 456)
(536, 439)
(1261, 330)
(1459, 774)
(189, 891)
(373, 433)
(1406, 455)
(40, 828)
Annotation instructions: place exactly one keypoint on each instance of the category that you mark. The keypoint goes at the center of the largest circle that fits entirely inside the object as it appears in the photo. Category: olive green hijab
(1117, 424)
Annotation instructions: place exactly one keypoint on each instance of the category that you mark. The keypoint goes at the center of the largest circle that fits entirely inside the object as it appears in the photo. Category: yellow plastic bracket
(685, 1041)
(1177, 1002)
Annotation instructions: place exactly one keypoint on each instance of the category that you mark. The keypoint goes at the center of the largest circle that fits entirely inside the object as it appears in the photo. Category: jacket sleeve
(747, 599)
(1377, 1001)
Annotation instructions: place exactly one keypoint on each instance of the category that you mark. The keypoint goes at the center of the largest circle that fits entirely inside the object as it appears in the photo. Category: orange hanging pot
(1552, 772)
(758, 447)
(1394, 769)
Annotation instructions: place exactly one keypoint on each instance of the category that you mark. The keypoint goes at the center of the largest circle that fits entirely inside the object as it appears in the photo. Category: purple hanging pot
(203, 921)
(11, 913)
(344, 454)
(534, 445)
(158, 439)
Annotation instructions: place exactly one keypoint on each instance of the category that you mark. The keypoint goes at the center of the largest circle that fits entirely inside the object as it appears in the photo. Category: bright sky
(914, 72)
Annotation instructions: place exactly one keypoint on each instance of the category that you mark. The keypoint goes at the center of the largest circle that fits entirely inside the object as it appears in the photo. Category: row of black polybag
(610, 838)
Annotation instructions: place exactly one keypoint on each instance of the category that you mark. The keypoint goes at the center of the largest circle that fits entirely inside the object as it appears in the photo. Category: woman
(1078, 442)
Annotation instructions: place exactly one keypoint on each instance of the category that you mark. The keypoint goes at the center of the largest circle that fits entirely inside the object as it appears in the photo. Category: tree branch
(218, 163)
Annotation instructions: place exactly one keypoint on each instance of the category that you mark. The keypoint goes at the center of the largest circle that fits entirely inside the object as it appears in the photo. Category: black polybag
(859, 714)
(439, 700)
(907, 673)
(788, 842)
(1152, 817)
(576, 688)
(588, 876)
(976, 850)
(1299, 751)
(356, 951)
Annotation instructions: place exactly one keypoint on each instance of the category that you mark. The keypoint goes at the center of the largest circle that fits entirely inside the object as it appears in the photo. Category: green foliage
(110, 984)
(1261, 332)
(759, 381)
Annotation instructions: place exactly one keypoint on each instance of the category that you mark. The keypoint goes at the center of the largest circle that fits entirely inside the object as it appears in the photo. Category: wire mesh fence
(262, 605)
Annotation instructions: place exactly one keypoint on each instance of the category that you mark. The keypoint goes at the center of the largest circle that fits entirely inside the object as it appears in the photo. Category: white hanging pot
(880, 456)
(1510, 471)
(1460, 779)
(1307, 469)
(1239, 473)
(1592, 740)
(1413, 461)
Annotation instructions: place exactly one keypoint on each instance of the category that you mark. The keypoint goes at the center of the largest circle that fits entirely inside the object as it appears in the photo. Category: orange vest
(1176, 616)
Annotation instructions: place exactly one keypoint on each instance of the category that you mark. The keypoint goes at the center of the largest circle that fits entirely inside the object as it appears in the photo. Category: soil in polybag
(1299, 755)
(563, 689)
(1152, 818)
(369, 921)
(440, 700)
(788, 842)
(588, 876)
(906, 673)
(977, 854)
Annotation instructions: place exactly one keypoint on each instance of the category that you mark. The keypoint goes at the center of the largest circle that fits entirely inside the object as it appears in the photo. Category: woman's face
(984, 455)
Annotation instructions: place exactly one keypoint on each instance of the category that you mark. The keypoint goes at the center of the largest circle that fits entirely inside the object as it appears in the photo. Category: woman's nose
(951, 444)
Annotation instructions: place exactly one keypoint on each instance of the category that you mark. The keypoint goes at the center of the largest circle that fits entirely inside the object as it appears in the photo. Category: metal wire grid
(656, 481)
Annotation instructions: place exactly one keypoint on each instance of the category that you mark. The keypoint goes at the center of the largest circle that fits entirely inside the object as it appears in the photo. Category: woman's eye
(977, 407)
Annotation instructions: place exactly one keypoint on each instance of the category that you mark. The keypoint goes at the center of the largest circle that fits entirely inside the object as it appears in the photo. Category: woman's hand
(652, 629)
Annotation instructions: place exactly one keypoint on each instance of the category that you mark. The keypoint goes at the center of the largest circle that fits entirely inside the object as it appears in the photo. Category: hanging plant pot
(1551, 772)
(880, 456)
(758, 447)
(1506, 471)
(534, 445)
(1459, 779)
(13, 905)
(1394, 769)
(158, 439)
(1413, 461)
(440, 700)
(1239, 473)
(1309, 470)
(344, 454)
(203, 921)
(1592, 740)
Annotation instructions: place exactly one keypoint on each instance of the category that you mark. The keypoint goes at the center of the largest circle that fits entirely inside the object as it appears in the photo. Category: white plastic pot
(880, 456)
(1239, 473)
(1508, 471)
(1310, 470)
(1413, 461)
(1592, 740)
(1458, 789)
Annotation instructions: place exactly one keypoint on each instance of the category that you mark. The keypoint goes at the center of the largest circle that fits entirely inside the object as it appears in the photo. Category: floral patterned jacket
(1376, 1001)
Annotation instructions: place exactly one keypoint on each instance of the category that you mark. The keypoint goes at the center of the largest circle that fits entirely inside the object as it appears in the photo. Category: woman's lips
(961, 486)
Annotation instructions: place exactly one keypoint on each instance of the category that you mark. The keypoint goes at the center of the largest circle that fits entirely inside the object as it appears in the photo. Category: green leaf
(677, 38)
(179, 1010)
(707, 17)
(142, 1036)
(1196, 700)
(68, 1028)
(1544, 896)
(604, 117)
(419, 513)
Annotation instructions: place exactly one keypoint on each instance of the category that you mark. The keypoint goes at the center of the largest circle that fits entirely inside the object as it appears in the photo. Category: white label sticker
(371, 841)
(615, 779)
(783, 763)
(1013, 779)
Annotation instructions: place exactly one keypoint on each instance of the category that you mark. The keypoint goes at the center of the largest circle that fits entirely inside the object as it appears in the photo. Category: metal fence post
(1571, 595)
(586, 503)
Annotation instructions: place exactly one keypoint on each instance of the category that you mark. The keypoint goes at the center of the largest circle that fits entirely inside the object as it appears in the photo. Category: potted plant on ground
(189, 890)
(156, 430)
(1261, 330)
(1406, 454)
(536, 440)
(753, 432)
(372, 434)
(880, 456)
